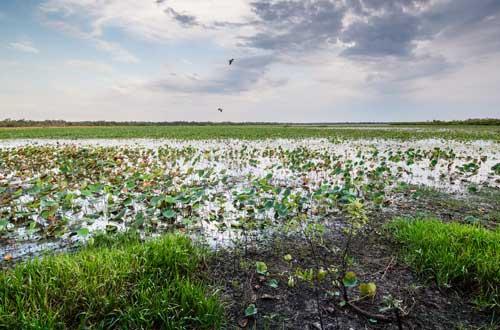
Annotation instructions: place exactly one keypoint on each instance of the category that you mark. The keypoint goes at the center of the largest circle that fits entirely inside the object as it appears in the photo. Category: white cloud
(88, 66)
(117, 52)
(24, 46)
(149, 19)
(453, 72)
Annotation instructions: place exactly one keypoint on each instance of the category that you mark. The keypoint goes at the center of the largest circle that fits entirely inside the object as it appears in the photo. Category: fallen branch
(387, 268)
(378, 317)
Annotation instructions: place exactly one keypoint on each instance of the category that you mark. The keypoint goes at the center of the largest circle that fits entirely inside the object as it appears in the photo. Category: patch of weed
(116, 283)
(453, 253)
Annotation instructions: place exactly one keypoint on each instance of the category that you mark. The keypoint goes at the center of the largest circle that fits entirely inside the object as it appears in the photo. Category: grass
(251, 132)
(116, 283)
(453, 253)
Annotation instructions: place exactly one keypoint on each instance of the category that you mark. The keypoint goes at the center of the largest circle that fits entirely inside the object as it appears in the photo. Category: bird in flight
(220, 109)
(231, 61)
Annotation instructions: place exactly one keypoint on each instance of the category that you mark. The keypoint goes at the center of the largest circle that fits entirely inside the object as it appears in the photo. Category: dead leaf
(243, 323)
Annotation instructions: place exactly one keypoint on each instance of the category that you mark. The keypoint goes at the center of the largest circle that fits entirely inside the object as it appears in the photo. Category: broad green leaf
(261, 268)
(368, 289)
(83, 232)
(350, 279)
(251, 310)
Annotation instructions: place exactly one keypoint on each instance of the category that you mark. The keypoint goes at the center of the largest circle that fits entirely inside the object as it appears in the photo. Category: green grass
(117, 283)
(251, 132)
(464, 255)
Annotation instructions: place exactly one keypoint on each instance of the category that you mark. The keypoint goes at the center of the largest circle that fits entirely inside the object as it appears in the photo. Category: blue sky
(296, 61)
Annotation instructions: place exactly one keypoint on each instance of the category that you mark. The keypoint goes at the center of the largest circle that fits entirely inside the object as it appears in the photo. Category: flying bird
(220, 109)
(231, 61)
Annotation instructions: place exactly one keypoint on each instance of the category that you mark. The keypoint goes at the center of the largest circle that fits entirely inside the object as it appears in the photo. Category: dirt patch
(373, 257)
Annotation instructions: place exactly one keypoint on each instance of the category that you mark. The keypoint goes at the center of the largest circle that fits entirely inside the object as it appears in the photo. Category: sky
(295, 60)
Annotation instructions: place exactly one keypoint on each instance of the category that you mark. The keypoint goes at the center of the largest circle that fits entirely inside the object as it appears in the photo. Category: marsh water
(221, 184)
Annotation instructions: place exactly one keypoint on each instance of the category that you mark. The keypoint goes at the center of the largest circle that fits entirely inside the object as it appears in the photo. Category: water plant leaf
(471, 219)
(83, 232)
(496, 169)
(169, 213)
(110, 229)
(251, 310)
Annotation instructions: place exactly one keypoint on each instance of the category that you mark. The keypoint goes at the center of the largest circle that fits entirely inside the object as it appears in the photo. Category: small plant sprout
(261, 268)
(350, 280)
(368, 289)
(291, 281)
(251, 310)
(322, 274)
(390, 303)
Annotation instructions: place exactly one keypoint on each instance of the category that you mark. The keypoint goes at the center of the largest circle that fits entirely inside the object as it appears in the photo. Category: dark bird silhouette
(220, 109)
(231, 61)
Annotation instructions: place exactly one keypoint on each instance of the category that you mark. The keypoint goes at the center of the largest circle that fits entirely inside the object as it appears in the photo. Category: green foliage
(251, 310)
(350, 279)
(496, 169)
(356, 213)
(273, 283)
(454, 253)
(249, 132)
(305, 274)
(117, 283)
(261, 268)
(368, 289)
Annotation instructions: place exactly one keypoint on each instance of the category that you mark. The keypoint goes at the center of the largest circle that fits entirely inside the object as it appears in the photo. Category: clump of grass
(116, 283)
(454, 253)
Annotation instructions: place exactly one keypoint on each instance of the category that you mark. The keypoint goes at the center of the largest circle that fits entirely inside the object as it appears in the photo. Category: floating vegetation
(54, 194)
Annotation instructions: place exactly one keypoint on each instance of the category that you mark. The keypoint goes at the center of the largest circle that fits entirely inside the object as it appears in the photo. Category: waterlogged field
(299, 224)
(56, 193)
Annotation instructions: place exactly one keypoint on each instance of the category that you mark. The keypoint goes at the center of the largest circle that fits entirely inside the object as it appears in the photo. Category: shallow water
(230, 168)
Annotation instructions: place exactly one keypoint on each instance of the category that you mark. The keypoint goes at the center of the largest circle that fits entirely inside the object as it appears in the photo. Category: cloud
(319, 54)
(244, 74)
(295, 25)
(117, 52)
(389, 34)
(86, 65)
(375, 28)
(24, 46)
(183, 19)
(151, 20)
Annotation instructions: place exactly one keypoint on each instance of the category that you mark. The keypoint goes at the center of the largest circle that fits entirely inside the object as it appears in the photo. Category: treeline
(478, 121)
(63, 123)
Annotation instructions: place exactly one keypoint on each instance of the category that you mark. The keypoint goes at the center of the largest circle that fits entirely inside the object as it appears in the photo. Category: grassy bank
(464, 255)
(117, 283)
(251, 132)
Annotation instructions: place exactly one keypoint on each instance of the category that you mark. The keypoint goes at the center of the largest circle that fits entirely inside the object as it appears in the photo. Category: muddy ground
(373, 257)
